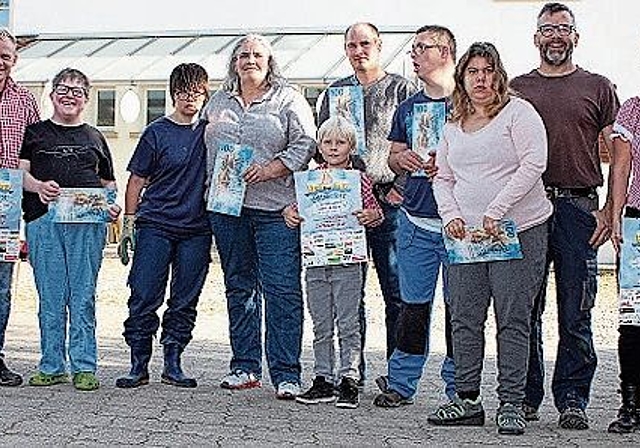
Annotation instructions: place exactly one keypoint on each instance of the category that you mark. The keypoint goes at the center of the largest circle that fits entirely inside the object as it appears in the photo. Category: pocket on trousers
(405, 233)
(590, 285)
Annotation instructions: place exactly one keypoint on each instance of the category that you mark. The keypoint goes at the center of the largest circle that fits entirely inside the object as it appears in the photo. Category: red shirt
(18, 109)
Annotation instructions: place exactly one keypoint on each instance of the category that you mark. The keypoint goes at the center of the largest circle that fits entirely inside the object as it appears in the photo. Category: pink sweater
(495, 171)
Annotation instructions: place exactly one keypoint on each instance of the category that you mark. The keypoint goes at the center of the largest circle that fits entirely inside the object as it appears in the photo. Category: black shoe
(348, 397)
(139, 373)
(627, 420)
(573, 418)
(7, 377)
(383, 383)
(320, 392)
(172, 373)
(391, 399)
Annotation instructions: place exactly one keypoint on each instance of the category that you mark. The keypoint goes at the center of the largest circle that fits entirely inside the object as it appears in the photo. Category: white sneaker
(239, 379)
(287, 390)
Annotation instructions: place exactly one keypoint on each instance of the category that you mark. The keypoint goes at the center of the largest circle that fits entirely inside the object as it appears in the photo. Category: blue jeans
(156, 252)
(261, 260)
(382, 244)
(6, 274)
(421, 254)
(576, 270)
(66, 259)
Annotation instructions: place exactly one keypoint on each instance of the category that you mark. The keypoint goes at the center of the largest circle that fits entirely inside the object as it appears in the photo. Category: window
(106, 108)
(156, 104)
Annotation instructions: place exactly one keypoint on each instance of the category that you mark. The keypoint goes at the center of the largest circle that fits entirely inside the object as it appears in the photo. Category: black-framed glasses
(190, 96)
(562, 29)
(76, 92)
(420, 47)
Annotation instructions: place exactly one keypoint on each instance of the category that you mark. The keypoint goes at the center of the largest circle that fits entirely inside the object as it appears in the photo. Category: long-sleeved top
(495, 171)
(278, 125)
(18, 109)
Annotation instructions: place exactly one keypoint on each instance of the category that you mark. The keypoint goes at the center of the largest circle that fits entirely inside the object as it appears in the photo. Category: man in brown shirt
(576, 107)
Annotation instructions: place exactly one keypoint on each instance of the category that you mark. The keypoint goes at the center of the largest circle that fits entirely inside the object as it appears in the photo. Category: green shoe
(45, 379)
(85, 381)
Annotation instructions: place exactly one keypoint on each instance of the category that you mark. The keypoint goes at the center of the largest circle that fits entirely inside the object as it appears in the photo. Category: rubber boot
(139, 374)
(172, 373)
(627, 420)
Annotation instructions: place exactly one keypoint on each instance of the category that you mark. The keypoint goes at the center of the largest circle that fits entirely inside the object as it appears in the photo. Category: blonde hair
(338, 126)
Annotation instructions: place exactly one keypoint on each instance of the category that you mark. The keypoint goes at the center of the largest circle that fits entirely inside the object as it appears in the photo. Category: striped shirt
(18, 109)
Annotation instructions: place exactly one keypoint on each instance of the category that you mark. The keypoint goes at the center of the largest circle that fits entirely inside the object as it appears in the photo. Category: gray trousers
(513, 284)
(333, 295)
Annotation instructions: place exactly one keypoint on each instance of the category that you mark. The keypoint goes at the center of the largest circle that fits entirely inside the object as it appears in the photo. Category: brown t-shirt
(574, 108)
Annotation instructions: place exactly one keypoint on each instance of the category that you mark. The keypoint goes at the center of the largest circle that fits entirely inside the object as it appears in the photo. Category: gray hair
(5, 34)
(232, 80)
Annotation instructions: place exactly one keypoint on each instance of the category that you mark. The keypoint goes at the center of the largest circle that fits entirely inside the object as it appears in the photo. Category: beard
(556, 57)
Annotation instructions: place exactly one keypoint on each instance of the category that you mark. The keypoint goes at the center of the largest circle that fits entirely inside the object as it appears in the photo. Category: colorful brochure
(478, 246)
(348, 101)
(330, 233)
(427, 126)
(228, 187)
(629, 275)
(10, 214)
(82, 205)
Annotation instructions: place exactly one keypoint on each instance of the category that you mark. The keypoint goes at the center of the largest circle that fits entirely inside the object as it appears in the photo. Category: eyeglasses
(186, 96)
(76, 92)
(562, 29)
(419, 47)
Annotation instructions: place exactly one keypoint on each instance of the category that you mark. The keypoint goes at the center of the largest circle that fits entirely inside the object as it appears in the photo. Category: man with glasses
(382, 93)
(421, 249)
(577, 107)
(19, 108)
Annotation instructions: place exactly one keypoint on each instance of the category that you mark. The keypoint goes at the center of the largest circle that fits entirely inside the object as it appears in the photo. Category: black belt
(559, 192)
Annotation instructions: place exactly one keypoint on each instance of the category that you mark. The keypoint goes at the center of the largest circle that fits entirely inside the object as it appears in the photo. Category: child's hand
(369, 217)
(114, 211)
(291, 217)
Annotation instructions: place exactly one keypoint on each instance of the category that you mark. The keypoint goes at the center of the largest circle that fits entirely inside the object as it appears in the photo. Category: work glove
(127, 238)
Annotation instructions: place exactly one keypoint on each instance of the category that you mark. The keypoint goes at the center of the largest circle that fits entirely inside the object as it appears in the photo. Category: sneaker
(573, 418)
(287, 390)
(348, 397)
(383, 383)
(459, 412)
(320, 392)
(510, 420)
(391, 399)
(239, 379)
(530, 413)
(7, 377)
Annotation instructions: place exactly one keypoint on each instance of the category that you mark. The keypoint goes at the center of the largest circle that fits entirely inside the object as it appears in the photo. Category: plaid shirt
(18, 109)
(369, 200)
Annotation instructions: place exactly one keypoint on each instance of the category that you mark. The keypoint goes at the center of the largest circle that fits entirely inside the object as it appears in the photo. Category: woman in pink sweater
(490, 163)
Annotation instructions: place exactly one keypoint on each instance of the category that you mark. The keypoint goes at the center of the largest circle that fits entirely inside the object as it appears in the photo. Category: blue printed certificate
(427, 125)
(228, 187)
(10, 213)
(629, 275)
(330, 233)
(82, 205)
(477, 246)
(348, 101)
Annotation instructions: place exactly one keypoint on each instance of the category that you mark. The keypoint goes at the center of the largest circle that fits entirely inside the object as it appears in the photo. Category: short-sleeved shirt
(627, 126)
(18, 109)
(381, 99)
(278, 125)
(418, 194)
(172, 157)
(574, 108)
(73, 156)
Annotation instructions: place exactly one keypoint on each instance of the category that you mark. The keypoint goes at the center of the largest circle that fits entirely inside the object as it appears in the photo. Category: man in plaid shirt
(18, 108)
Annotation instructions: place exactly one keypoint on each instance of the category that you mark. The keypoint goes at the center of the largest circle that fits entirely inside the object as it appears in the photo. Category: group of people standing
(525, 149)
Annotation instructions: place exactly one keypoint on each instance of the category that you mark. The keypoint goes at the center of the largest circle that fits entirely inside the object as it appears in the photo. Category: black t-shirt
(73, 156)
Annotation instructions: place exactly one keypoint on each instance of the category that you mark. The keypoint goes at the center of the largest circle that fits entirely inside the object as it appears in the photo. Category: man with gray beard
(577, 107)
